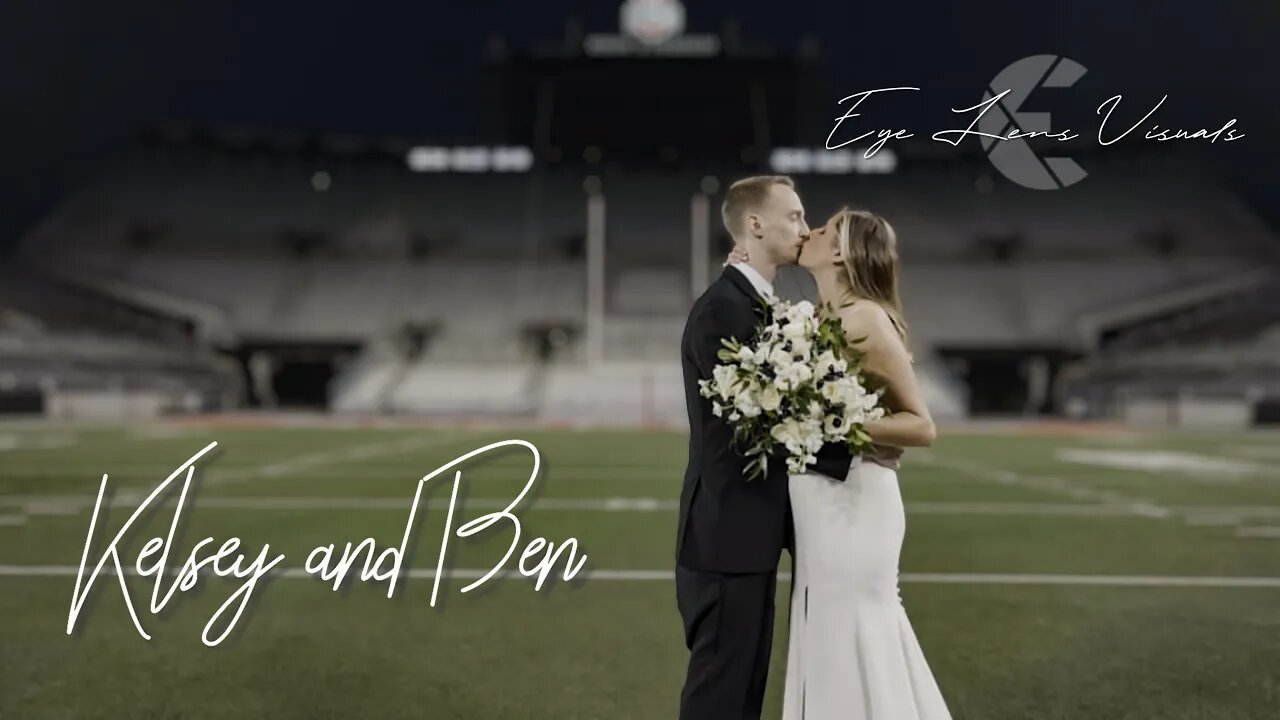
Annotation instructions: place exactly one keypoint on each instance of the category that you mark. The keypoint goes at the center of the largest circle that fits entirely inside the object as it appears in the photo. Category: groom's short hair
(746, 195)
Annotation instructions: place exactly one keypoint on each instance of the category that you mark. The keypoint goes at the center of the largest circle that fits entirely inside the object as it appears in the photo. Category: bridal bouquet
(797, 385)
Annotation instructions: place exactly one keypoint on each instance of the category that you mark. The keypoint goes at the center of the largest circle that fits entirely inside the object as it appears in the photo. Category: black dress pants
(728, 628)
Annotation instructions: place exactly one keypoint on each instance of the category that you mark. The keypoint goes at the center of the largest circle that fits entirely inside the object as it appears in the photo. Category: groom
(731, 531)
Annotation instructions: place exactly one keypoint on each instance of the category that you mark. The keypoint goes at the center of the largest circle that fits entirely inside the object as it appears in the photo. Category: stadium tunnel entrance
(283, 374)
(1008, 381)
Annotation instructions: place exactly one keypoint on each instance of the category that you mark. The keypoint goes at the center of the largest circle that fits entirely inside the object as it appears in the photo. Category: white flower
(779, 358)
(745, 356)
(834, 426)
(723, 377)
(815, 410)
(770, 398)
(832, 392)
(747, 404)
(824, 363)
(761, 354)
(795, 375)
(789, 433)
(794, 329)
(717, 409)
(800, 349)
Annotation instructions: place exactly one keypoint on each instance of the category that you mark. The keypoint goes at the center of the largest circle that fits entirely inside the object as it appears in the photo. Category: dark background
(82, 78)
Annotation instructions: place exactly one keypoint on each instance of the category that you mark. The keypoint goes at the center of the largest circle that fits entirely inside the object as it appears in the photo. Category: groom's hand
(737, 255)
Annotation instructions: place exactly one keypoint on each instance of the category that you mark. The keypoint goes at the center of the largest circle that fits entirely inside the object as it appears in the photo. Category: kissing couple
(852, 654)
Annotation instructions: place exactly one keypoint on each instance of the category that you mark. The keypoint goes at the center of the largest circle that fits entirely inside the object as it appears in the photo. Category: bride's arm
(907, 422)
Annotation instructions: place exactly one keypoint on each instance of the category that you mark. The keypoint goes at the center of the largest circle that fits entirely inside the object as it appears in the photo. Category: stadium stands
(263, 252)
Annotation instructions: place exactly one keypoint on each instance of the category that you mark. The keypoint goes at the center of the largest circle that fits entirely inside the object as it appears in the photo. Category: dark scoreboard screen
(646, 108)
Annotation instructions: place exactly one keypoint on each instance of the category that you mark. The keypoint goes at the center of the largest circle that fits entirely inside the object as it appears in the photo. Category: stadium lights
(831, 162)
(469, 159)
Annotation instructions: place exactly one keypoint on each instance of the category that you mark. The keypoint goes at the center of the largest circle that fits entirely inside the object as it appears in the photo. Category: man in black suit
(731, 531)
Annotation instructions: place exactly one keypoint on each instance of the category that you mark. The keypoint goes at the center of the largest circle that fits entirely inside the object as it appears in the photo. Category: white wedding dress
(852, 653)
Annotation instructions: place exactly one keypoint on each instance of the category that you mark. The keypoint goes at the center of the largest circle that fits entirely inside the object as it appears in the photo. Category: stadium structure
(542, 269)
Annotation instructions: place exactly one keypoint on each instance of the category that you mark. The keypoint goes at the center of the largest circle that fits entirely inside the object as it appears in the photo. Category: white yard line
(1272, 532)
(70, 504)
(36, 571)
(13, 520)
(1052, 485)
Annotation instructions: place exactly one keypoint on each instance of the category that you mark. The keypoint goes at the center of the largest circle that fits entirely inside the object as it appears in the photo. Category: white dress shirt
(762, 286)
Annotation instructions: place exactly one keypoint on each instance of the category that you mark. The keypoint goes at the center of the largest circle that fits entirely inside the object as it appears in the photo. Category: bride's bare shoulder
(866, 319)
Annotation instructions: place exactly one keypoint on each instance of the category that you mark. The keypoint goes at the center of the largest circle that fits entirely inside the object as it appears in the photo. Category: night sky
(82, 77)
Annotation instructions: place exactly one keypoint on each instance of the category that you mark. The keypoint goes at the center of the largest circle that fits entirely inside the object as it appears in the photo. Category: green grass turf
(600, 648)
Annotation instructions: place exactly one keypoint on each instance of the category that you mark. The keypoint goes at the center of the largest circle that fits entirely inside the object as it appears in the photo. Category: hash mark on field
(1167, 581)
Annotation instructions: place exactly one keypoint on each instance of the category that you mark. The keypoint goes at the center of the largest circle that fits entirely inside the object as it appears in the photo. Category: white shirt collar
(762, 286)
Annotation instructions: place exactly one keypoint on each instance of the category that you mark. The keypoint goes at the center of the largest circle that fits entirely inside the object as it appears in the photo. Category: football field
(1050, 572)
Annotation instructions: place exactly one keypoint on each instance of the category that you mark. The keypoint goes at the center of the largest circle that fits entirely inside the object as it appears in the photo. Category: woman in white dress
(852, 653)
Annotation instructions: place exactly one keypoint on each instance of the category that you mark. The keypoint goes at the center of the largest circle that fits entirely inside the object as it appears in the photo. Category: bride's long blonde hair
(869, 247)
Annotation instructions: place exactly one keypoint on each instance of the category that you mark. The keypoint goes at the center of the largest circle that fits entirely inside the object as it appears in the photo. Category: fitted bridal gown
(852, 653)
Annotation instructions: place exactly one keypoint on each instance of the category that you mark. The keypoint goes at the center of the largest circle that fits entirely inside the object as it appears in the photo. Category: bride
(852, 652)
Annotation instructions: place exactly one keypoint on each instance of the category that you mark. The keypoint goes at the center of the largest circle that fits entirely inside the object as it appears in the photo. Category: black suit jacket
(728, 524)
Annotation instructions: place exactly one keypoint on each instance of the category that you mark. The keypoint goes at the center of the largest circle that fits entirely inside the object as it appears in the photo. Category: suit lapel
(741, 282)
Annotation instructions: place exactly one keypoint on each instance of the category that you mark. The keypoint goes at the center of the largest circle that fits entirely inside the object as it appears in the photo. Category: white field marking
(36, 571)
(1201, 468)
(71, 504)
(1259, 532)
(276, 468)
(34, 441)
(583, 472)
(612, 504)
(56, 505)
(307, 461)
(50, 508)
(1239, 510)
(1055, 486)
(1212, 520)
(12, 520)
(1264, 452)
(165, 432)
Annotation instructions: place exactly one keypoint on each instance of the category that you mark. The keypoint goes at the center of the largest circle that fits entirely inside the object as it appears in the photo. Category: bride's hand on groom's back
(737, 255)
